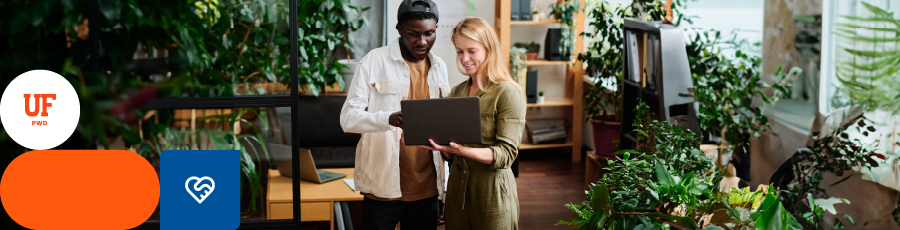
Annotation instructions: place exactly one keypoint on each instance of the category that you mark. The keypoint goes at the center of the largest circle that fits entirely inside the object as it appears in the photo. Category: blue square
(200, 189)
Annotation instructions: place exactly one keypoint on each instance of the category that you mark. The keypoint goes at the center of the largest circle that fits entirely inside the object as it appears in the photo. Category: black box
(531, 86)
(551, 46)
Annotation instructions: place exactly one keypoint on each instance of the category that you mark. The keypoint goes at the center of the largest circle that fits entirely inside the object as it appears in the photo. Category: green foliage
(869, 67)
(564, 11)
(530, 47)
(209, 48)
(666, 183)
(324, 26)
(745, 198)
(604, 56)
(725, 88)
(670, 184)
(517, 62)
(835, 153)
(604, 60)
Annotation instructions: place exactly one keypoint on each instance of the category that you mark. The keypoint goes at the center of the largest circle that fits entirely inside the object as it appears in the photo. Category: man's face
(417, 37)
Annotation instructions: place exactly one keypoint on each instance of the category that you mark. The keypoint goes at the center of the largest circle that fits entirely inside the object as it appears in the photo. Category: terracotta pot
(530, 56)
(605, 132)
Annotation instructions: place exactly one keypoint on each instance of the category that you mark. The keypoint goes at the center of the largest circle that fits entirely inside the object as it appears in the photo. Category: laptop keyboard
(326, 176)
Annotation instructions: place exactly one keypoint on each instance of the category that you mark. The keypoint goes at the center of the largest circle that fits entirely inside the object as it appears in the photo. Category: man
(400, 183)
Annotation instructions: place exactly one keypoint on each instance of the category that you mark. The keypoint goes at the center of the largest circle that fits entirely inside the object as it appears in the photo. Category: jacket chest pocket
(489, 127)
(384, 96)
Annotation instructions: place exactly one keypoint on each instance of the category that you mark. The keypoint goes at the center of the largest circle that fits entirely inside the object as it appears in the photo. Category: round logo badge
(39, 109)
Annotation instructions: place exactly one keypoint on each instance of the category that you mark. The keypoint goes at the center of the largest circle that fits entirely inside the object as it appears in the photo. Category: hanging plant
(517, 62)
(564, 11)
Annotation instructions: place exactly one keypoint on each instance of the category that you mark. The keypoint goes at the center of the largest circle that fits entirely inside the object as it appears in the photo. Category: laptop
(443, 120)
(308, 172)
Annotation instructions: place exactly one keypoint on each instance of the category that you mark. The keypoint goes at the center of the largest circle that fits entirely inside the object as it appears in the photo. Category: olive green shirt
(481, 196)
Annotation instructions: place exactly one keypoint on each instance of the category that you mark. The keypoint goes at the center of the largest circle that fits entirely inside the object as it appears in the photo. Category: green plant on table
(869, 66)
(668, 183)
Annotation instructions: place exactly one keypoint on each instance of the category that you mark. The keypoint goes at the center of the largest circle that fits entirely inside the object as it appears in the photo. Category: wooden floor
(547, 180)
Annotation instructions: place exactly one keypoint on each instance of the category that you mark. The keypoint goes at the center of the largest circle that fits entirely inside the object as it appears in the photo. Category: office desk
(316, 200)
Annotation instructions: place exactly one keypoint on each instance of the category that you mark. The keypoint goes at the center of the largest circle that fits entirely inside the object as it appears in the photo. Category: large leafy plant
(604, 60)
(669, 183)
(324, 26)
(832, 152)
(726, 86)
(869, 67)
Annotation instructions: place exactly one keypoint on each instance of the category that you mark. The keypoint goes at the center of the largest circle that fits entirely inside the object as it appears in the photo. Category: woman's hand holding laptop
(447, 150)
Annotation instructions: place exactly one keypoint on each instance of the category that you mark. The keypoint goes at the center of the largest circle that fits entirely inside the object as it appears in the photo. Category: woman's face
(470, 54)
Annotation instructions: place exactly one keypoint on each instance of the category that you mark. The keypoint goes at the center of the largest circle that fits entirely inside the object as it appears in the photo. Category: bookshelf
(655, 72)
(574, 81)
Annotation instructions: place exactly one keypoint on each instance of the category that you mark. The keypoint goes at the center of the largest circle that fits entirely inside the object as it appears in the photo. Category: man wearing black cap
(400, 183)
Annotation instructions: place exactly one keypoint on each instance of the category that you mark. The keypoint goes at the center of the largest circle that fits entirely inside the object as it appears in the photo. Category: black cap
(424, 6)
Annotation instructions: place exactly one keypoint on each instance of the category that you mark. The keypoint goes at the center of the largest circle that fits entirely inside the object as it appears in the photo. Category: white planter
(540, 99)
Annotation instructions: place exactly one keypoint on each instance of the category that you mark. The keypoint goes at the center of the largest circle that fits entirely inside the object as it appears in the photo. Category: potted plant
(668, 183)
(602, 100)
(531, 49)
(564, 11)
(540, 99)
(725, 88)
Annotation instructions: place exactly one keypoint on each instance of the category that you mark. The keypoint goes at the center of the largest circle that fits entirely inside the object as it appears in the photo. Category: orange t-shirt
(418, 177)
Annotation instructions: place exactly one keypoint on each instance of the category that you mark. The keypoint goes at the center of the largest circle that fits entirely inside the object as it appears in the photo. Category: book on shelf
(633, 63)
(545, 130)
(515, 8)
(524, 10)
(548, 137)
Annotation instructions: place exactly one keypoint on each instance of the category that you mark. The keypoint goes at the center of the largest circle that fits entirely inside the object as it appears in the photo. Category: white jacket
(381, 81)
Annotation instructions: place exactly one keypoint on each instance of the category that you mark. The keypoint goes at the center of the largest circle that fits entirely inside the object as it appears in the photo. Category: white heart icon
(209, 189)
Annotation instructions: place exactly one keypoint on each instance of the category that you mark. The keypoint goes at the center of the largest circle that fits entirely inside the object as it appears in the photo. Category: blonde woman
(481, 193)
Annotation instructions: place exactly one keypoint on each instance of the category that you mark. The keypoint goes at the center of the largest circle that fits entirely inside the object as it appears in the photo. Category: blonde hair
(493, 67)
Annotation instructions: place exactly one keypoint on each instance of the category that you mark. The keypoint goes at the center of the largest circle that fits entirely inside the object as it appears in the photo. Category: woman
(481, 193)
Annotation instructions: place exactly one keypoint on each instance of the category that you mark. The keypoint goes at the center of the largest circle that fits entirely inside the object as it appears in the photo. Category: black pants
(412, 215)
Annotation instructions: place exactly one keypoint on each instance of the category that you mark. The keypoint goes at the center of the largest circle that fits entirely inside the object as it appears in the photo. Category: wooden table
(316, 200)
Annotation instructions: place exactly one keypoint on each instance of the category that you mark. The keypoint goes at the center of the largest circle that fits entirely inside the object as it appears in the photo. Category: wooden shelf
(553, 102)
(541, 22)
(573, 82)
(542, 61)
(524, 146)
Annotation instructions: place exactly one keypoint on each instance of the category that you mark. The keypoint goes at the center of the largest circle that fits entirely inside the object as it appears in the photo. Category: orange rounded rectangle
(79, 189)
